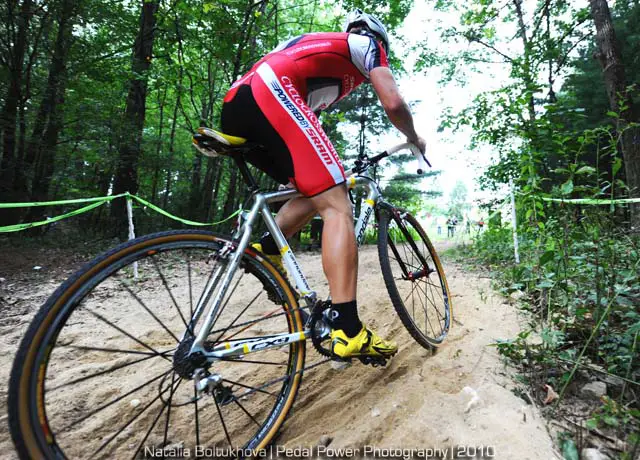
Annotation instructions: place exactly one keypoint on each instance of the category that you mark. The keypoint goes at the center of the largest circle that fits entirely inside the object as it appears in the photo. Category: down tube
(368, 205)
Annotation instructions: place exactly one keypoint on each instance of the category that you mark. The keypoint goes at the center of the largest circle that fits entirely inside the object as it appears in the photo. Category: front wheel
(414, 277)
(97, 373)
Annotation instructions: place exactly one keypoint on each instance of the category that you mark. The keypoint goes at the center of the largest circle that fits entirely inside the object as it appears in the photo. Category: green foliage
(578, 270)
(458, 204)
(199, 48)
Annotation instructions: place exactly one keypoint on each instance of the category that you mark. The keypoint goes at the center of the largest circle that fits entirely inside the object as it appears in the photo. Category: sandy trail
(417, 401)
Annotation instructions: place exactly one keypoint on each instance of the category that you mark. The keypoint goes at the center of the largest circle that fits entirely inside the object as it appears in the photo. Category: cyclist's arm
(394, 105)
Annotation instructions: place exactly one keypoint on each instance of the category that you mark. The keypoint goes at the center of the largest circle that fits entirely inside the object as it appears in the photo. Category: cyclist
(276, 104)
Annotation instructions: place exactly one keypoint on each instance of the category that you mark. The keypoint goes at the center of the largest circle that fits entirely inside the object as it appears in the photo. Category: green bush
(580, 277)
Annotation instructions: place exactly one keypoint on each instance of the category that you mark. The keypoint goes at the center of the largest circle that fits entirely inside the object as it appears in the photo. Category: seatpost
(246, 174)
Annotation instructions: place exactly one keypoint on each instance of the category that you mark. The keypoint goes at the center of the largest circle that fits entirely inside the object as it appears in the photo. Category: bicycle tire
(30, 393)
(395, 225)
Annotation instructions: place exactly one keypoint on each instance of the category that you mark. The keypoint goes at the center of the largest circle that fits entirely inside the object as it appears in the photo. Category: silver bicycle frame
(260, 206)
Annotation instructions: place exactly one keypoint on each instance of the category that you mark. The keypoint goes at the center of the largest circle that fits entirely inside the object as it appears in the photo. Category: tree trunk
(130, 142)
(19, 184)
(528, 78)
(9, 114)
(195, 190)
(231, 190)
(156, 170)
(207, 187)
(43, 144)
(620, 100)
(25, 157)
(216, 189)
(550, 60)
(172, 138)
(175, 112)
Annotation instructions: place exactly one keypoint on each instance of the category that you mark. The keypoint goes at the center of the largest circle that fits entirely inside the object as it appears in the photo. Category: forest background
(100, 97)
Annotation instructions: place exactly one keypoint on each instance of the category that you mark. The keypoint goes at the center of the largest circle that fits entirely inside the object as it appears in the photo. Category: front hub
(412, 276)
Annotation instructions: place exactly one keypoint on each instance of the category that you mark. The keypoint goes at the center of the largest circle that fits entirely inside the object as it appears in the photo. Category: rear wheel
(95, 375)
(414, 277)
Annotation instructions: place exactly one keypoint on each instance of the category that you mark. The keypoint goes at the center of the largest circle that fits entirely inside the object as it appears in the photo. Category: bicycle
(205, 309)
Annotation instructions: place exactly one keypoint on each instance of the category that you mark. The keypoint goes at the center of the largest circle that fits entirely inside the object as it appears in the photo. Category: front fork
(406, 274)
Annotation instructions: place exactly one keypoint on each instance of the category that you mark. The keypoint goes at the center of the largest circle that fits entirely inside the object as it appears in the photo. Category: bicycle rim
(414, 277)
(94, 374)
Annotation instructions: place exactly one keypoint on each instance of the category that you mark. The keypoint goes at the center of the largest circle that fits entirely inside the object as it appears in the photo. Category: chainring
(318, 322)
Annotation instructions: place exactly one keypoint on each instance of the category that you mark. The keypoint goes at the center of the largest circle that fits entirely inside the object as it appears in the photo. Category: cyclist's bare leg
(294, 215)
(339, 249)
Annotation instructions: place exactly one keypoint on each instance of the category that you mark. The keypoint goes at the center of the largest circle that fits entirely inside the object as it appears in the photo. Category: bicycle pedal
(374, 361)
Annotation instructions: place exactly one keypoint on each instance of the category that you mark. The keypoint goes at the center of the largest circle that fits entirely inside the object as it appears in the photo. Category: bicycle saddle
(212, 143)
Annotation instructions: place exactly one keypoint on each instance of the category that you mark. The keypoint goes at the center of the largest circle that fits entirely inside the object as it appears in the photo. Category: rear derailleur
(212, 384)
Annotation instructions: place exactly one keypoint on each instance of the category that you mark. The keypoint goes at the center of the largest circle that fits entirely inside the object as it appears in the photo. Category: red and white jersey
(326, 66)
(288, 86)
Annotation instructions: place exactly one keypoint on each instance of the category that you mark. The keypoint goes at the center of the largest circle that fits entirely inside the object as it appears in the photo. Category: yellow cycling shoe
(366, 344)
(274, 259)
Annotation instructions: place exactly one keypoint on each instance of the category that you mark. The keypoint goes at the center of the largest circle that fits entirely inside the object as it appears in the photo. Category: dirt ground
(418, 400)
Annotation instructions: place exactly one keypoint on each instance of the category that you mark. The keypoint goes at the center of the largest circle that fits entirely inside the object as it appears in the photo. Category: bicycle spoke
(190, 287)
(249, 387)
(175, 303)
(122, 331)
(433, 298)
(432, 303)
(413, 310)
(110, 350)
(413, 288)
(406, 264)
(237, 317)
(148, 310)
(227, 301)
(196, 415)
(109, 404)
(435, 307)
(426, 315)
(224, 425)
(155, 422)
(106, 371)
(280, 379)
(168, 405)
(246, 412)
(438, 287)
(254, 321)
(266, 316)
(131, 420)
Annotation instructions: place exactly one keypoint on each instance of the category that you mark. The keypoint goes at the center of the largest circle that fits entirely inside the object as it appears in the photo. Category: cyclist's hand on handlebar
(420, 143)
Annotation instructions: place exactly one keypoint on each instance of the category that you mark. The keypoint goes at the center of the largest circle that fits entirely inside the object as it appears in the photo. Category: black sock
(269, 245)
(345, 316)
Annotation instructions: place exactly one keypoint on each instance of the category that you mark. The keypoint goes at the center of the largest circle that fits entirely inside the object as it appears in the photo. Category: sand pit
(461, 396)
